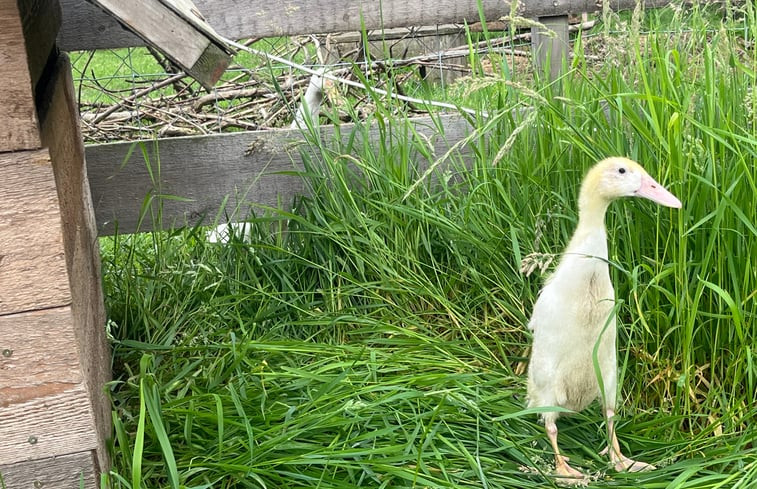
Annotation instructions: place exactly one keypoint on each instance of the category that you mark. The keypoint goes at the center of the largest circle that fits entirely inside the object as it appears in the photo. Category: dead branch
(269, 95)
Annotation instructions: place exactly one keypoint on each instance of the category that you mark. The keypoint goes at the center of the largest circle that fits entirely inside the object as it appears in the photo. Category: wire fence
(135, 93)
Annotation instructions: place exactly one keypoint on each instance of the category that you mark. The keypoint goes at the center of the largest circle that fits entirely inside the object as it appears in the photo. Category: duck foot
(567, 475)
(621, 463)
(625, 464)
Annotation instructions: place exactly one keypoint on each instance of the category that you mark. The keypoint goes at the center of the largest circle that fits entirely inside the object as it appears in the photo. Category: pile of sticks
(263, 97)
(157, 111)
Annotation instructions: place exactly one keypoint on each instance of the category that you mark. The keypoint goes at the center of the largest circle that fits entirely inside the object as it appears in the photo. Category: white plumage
(574, 312)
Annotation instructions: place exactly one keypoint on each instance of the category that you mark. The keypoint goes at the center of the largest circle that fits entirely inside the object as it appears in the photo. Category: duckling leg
(620, 461)
(562, 469)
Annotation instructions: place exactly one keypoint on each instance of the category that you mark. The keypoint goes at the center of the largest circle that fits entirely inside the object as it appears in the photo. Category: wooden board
(189, 168)
(552, 50)
(61, 134)
(38, 355)
(84, 27)
(63, 472)
(171, 33)
(56, 424)
(41, 22)
(204, 170)
(18, 117)
(397, 33)
(188, 11)
(32, 263)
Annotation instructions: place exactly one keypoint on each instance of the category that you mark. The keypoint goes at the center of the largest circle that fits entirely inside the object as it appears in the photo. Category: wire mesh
(135, 93)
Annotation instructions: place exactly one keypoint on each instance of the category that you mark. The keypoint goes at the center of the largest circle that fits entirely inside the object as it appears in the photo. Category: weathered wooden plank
(56, 424)
(38, 355)
(550, 47)
(210, 66)
(27, 35)
(60, 133)
(171, 33)
(63, 472)
(84, 27)
(188, 169)
(32, 263)
(152, 20)
(250, 168)
(41, 22)
(188, 11)
(400, 33)
(18, 117)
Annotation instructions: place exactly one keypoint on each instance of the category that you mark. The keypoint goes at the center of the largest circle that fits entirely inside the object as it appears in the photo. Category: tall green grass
(373, 335)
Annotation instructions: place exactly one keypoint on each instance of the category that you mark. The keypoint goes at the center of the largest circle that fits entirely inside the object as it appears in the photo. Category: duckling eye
(621, 170)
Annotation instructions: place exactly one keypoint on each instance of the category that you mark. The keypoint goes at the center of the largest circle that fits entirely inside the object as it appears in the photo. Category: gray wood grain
(60, 133)
(551, 50)
(250, 169)
(18, 117)
(63, 472)
(57, 422)
(41, 20)
(32, 261)
(85, 27)
(41, 355)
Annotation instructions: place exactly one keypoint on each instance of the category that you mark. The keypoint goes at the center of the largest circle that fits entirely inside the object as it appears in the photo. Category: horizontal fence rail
(237, 172)
(87, 27)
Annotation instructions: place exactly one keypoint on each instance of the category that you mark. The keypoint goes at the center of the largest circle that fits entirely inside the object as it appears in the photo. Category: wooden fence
(206, 169)
(85, 27)
(242, 171)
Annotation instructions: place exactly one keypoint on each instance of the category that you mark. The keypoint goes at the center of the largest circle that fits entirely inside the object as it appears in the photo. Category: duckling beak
(653, 191)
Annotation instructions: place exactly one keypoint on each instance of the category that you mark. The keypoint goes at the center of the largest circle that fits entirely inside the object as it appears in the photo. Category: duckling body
(562, 366)
(574, 313)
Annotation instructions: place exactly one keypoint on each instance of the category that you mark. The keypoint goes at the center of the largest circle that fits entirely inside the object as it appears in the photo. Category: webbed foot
(567, 475)
(625, 464)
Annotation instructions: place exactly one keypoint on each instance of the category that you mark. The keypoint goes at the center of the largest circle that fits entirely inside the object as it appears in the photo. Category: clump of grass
(374, 335)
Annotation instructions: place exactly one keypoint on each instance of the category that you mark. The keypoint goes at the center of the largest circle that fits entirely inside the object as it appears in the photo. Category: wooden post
(62, 136)
(54, 415)
(551, 50)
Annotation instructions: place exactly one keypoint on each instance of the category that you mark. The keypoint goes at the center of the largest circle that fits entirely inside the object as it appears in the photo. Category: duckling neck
(590, 237)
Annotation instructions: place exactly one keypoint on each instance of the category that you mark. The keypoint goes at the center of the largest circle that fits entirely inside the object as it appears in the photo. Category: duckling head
(617, 177)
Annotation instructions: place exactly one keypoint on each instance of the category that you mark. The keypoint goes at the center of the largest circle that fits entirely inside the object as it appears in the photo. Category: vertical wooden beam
(40, 21)
(27, 36)
(46, 404)
(550, 46)
(54, 415)
(59, 118)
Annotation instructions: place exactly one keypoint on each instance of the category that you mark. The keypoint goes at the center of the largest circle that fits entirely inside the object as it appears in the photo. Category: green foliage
(374, 335)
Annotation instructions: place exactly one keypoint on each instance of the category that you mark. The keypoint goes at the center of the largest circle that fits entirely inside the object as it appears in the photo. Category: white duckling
(574, 311)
